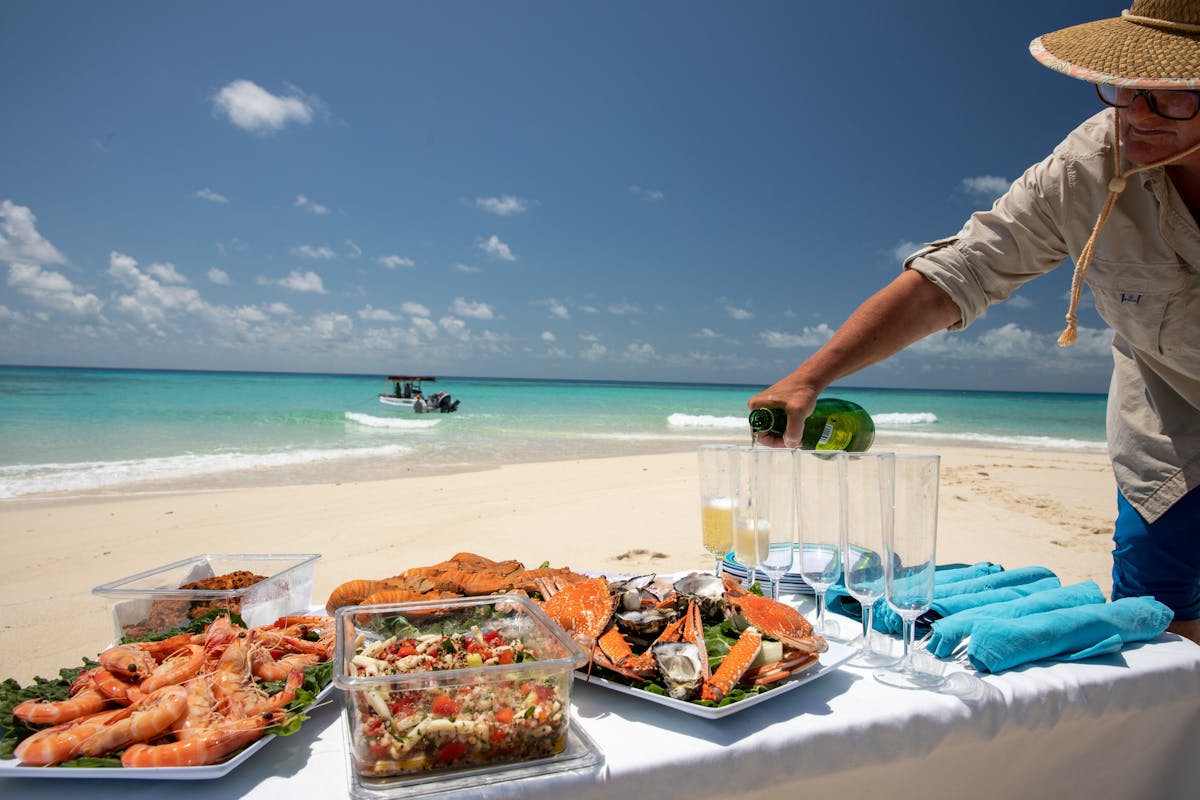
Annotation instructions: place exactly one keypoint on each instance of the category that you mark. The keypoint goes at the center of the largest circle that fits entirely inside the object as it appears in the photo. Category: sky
(664, 191)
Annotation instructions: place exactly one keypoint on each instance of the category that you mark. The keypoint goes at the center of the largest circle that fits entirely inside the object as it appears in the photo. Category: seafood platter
(462, 690)
(189, 701)
(697, 642)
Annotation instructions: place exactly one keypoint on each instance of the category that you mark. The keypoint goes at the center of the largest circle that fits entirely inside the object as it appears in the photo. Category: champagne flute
(775, 489)
(820, 479)
(869, 487)
(909, 561)
(718, 470)
(749, 516)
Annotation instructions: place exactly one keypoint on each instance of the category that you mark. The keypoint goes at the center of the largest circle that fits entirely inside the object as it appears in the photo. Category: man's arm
(905, 311)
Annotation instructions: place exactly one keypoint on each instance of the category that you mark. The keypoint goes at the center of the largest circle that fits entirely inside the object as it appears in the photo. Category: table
(1120, 726)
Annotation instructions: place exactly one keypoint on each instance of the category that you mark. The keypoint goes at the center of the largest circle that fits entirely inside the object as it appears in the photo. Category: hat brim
(1123, 53)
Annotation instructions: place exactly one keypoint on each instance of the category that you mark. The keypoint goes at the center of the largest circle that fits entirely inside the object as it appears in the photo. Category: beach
(629, 514)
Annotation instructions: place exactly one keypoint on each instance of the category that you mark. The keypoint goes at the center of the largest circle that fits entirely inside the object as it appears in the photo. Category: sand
(633, 514)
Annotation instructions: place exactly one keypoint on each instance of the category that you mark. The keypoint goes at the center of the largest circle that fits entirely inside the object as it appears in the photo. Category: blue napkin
(961, 595)
(838, 600)
(1066, 634)
(951, 629)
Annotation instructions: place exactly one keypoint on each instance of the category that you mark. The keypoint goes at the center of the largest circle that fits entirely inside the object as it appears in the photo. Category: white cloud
(648, 194)
(1019, 301)
(150, 300)
(809, 337)
(739, 313)
(353, 248)
(594, 353)
(640, 351)
(393, 261)
(986, 186)
(254, 109)
(211, 196)
(373, 314)
(425, 326)
(303, 282)
(547, 336)
(302, 201)
(332, 325)
(455, 328)
(218, 276)
(559, 310)
(459, 267)
(467, 308)
(19, 239)
(497, 249)
(502, 206)
(166, 273)
(52, 290)
(414, 309)
(905, 249)
(308, 251)
(623, 309)
(706, 333)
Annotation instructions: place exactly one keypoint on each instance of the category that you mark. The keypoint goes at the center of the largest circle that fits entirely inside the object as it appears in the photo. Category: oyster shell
(708, 591)
(680, 668)
(633, 594)
(646, 624)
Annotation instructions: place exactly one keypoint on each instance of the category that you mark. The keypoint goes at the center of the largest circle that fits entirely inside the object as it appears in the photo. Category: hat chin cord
(1115, 187)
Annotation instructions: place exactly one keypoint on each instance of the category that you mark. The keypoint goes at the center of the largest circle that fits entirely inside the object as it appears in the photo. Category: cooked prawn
(205, 747)
(85, 699)
(176, 668)
(60, 743)
(128, 661)
(141, 722)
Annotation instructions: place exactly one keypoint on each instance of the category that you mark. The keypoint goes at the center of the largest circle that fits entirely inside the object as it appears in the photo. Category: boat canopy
(411, 378)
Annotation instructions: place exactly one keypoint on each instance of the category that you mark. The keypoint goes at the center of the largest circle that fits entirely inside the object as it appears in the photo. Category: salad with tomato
(486, 717)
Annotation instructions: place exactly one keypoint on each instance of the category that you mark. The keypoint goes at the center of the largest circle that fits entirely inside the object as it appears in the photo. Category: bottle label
(826, 434)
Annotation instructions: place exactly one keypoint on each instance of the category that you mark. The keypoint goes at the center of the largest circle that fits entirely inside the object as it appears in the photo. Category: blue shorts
(1160, 559)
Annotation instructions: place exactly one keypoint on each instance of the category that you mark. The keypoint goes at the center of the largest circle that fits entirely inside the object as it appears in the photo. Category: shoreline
(630, 514)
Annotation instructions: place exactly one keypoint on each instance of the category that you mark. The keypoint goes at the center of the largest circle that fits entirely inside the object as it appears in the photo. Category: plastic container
(453, 723)
(152, 600)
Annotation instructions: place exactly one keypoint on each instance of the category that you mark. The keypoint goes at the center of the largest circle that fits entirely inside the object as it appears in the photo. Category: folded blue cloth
(1066, 634)
(838, 600)
(952, 628)
(960, 595)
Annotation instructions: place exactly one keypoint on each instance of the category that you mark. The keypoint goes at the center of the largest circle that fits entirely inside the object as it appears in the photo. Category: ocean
(75, 431)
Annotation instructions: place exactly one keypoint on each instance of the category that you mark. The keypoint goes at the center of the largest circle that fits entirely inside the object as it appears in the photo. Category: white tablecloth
(1121, 726)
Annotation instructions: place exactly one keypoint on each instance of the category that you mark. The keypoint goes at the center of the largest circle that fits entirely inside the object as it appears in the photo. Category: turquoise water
(76, 430)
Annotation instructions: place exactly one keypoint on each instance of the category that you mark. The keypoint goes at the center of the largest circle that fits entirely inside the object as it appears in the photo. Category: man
(1121, 197)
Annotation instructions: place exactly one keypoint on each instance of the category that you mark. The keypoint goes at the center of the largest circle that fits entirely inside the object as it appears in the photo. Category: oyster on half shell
(680, 668)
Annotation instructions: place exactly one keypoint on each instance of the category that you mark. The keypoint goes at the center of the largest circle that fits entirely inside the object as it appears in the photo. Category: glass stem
(820, 596)
(910, 627)
(717, 567)
(868, 615)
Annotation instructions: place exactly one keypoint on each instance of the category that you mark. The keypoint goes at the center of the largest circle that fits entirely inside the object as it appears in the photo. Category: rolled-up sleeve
(1023, 235)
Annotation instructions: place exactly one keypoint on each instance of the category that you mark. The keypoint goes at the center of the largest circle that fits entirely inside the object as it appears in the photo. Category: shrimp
(206, 747)
(85, 699)
(267, 668)
(60, 743)
(141, 722)
(128, 661)
(175, 668)
(114, 688)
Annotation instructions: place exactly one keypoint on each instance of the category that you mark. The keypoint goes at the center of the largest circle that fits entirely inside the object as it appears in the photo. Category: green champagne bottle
(833, 425)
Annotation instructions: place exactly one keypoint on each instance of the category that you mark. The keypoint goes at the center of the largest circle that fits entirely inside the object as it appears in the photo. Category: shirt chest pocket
(1145, 304)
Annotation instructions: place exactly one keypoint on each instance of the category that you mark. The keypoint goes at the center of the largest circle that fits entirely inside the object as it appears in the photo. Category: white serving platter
(831, 659)
(12, 768)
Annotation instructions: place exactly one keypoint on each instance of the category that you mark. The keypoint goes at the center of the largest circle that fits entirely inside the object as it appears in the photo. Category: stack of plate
(791, 583)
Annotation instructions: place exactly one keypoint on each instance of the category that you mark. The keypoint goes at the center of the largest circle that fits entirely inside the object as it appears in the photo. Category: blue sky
(694, 191)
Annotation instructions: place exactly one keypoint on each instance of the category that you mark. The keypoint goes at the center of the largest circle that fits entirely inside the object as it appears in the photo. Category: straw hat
(1153, 45)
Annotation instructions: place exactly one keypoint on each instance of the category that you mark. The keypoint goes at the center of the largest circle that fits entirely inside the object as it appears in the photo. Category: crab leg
(733, 666)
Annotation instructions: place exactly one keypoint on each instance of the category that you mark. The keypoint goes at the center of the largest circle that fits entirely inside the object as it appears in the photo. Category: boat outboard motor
(444, 404)
(454, 405)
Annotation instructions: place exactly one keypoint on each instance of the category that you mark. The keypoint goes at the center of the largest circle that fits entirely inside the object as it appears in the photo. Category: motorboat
(407, 394)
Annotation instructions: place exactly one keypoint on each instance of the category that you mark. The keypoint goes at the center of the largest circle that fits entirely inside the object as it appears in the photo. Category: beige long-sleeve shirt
(1145, 276)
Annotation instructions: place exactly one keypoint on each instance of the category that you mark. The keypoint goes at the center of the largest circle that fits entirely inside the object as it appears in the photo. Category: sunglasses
(1169, 103)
